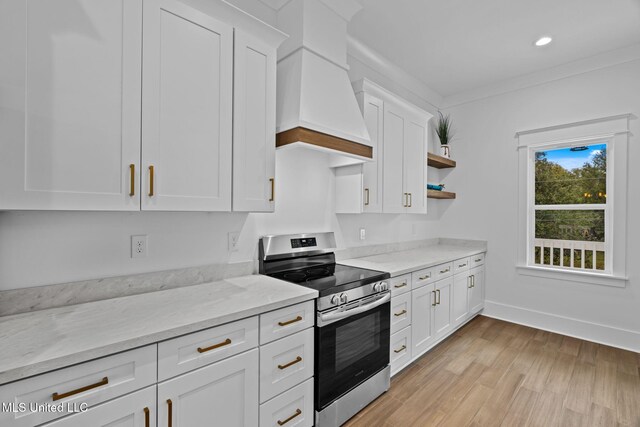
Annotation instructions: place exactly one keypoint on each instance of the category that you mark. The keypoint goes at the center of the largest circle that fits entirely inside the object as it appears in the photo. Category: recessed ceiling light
(543, 41)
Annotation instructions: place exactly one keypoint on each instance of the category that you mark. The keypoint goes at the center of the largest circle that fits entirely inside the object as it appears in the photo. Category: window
(572, 201)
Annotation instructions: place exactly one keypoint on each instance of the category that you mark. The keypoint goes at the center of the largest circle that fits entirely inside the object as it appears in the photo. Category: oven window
(356, 340)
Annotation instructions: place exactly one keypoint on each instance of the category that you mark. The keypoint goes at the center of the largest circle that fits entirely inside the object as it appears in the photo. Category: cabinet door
(134, 410)
(393, 194)
(70, 104)
(443, 319)
(222, 394)
(254, 124)
(186, 109)
(373, 111)
(461, 291)
(414, 161)
(476, 294)
(422, 306)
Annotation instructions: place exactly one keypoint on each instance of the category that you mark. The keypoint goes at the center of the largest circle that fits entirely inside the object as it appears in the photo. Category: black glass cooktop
(331, 278)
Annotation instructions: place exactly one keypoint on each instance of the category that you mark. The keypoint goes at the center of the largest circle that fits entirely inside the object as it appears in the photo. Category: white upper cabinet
(395, 199)
(414, 164)
(373, 110)
(70, 104)
(254, 122)
(187, 109)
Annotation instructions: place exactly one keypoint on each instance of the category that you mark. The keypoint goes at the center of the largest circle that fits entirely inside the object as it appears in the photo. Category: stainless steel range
(352, 331)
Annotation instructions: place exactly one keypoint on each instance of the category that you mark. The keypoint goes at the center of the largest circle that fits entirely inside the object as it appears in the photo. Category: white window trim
(614, 130)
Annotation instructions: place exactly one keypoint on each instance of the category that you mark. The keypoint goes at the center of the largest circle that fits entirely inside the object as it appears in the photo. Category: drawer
(400, 312)
(476, 260)
(91, 382)
(442, 271)
(293, 408)
(422, 277)
(286, 321)
(460, 265)
(400, 284)
(188, 352)
(285, 363)
(400, 352)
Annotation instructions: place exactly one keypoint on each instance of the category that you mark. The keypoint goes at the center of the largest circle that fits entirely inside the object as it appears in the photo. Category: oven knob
(377, 287)
(385, 286)
(335, 300)
(343, 298)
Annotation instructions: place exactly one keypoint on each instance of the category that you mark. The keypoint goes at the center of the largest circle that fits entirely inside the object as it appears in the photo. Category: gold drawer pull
(478, 260)
(428, 276)
(400, 314)
(288, 322)
(403, 348)
(285, 366)
(58, 396)
(169, 413)
(132, 178)
(273, 189)
(462, 265)
(401, 285)
(146, 417)
(444, 271)
(298, 412)
(213, 347)
(151, 176)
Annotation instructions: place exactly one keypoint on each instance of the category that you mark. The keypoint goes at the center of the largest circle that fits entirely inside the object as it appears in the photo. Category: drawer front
(400, 284)
(293, 408)
(400, 352)
(286, 321)
(423, 277)
(186, 353)
(285, 363)
(460, 265)
(442, 271)
(400, 312)
(90, 382)
(476, 260)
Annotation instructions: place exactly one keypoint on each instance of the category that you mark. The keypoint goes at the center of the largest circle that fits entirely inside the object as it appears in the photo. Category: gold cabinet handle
(58, 396)
(428, 276)
(473, 281)
(435, 301)
(444, 271)
(293, 362)
(151, 174)
(401, 285)
(410, 200)
(400, 314)
(288, 322)
(462, 265)
(132, 178)
(366, 197)
(273, 189)
(404, 347)
(146, 417)
(169, 413)
(213, 347)
(469, 283)
(406, 200)
(438, 291)
(478, 259)
(283, 422)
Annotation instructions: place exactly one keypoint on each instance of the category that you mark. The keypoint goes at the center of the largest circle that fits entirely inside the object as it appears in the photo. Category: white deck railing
(572, 254)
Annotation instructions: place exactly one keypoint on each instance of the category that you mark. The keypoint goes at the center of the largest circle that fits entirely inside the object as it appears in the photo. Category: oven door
(351, 349)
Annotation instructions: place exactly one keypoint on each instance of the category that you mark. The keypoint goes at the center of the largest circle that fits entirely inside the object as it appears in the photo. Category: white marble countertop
(40, 341)
(402, 262)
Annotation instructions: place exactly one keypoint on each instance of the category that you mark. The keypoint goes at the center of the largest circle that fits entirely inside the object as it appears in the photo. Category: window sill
(573, 276)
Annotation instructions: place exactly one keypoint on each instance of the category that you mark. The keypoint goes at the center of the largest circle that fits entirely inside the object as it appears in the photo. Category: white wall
(486, 182)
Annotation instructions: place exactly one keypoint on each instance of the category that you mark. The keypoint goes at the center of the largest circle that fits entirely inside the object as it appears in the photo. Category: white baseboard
(602, 334)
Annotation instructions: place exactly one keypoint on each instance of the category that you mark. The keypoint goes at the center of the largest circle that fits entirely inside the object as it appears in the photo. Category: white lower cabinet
(423, 302)
(476, 292)
(461, 283)
(293, 408)
(400, 312)
(442, 318)
(135, 410)
(400, 352)
(224, 394)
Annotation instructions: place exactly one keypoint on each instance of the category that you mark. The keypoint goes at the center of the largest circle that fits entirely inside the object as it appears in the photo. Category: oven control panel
(308, 242)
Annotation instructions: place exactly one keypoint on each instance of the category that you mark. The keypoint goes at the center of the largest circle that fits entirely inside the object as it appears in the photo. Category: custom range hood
(316, 105)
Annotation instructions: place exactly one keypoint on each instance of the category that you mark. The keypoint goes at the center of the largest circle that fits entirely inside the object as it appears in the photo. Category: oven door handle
(326, 319)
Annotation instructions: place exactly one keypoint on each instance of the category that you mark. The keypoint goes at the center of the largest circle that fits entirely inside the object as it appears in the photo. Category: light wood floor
(494, 373)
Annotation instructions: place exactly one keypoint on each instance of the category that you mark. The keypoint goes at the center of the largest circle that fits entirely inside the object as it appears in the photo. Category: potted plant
(444, 130)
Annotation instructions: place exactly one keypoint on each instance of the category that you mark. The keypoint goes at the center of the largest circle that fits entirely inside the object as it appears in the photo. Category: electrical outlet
(138, 246)
(233, 240)
(363, 234)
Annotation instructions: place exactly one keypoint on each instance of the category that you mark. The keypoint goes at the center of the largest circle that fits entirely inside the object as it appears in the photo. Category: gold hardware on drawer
(213, 347)
(273, 189)
(446, 270)
(428, 276)
(401, 285)
(404, 347)
(478, 259)
(293, 362)
(132, 178)
(288, 322)
(298, 412)
(462, 265)
(146, 417)
(169, 413)
(151, 174)
(58, 396)
(401, 313)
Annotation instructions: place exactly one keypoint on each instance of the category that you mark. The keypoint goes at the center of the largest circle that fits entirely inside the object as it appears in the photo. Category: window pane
(580, 225)
(576, 175)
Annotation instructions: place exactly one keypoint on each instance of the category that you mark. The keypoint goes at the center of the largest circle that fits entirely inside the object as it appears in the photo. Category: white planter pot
(445, 151)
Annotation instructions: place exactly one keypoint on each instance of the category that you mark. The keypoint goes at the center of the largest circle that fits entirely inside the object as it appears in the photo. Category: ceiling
(457, 45)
